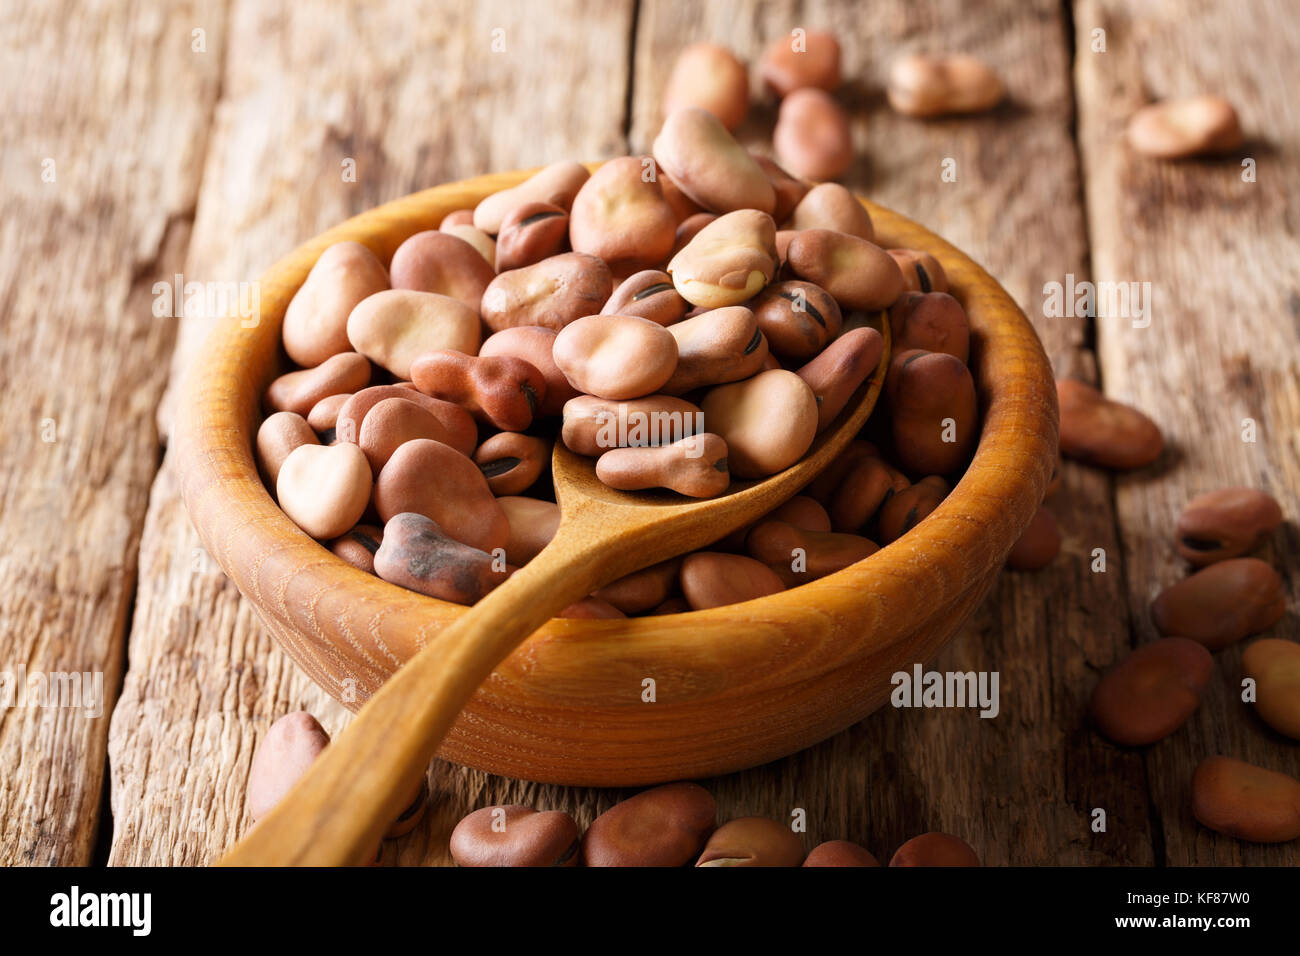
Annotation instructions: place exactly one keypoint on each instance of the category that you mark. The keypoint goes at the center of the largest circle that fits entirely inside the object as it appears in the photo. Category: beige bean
(695, 466)
(710, 579)
(550, 293)
(1226, 523)
(558, 183)
(728, 261)
(615, 356)
(462, 433)
(1188, 126)
(532, 526)
(682, 205)
(663, 826)
(689, 228)
(921, 271)
(592, 426)
(533, 231)
(299, 391)
(621, 216)
(783, 239)
(502, 391)
(417, 554)
(752, 841)
(718, 346)
(288, 750)
(812, 137)
(858, 273)
(907, 508)
(512, 462)
(709, 166)
(709, 77)
(1221, 604)
(796, 318)
(324, 414)
(480, 240)
(790, 190)
(395, 328)
(838, 372)
(649, 294)
(799, 556)
(933, 321)
(280, 434)
(457, 217)
(1274, 665)
(840, 853)
(1152, 692)
(831, 206)
(935, 849)
(534, 345)
(767, 421)
(934, 411)
(391, 424)
(642, 590)
(358, 546)
(316, 321)
(515, 836)
(324, 489)
(927, 86)
(432, 479)
(1038, 545)
(434, 261)
(1100, 431)
(1247, 802)
(807, 58)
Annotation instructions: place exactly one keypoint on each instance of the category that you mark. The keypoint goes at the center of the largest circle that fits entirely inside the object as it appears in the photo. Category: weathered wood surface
(1223, 257)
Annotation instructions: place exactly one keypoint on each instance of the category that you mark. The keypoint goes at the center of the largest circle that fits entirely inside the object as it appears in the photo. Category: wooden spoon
(338, 812)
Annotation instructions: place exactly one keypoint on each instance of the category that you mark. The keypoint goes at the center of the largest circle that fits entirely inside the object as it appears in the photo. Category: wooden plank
(416, 96)
(105, 116)
(1223, 345)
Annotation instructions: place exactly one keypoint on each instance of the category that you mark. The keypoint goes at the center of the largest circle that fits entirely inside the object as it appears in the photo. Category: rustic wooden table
(207, 138)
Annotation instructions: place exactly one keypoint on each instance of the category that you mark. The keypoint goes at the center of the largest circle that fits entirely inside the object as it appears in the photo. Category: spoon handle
(338, 812)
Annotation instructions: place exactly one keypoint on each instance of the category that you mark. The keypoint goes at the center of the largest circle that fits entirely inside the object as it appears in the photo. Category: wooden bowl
(733, 687)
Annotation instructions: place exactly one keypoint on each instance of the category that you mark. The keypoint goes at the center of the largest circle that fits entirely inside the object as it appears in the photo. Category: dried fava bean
(695, 466)
(512, 462)
(836, 374)
(728, 261)
(458, 217)
(789, 189)
(812, 137)
(809, 555)
(324, 489)
(933, 86)
(803, 512)
(1226, 523)
(866, 487)
(532, 526)
(709, 77)
(1247, 802)
(858, 273)
(674, 605)
(391, 424)
(615, 356)
(395, 328)
(811, 58)
(594, 609)
(419, 555)
(550, 293)
(682, 205)
(840, 853)
(434, 480)
(280, 434)
(642, 590)
(718, 346)
(664, 826)
(324, 414)
(515, 836)
(783, 239)
(557, 184)
(796, 318)
(316, 321)
(831, 206)
(622, 217)
(649, 294)
(933, 321)
(933, 411)
(533, 344)
(710, 579)
(935, 849)
(1190, 126)
(752, 841)
(358, 546)
(824, 486)
(299, 391)
(533, 231)
(502, 391)
(1221, 604)
(1150, 693)
(592, 426)
(287, 751)
(461, 430)
(921, 271)
(413, 814)
(1274, 665)
(689, 228)
(1100, 431)
(907, 508)
(435, 261)
(1038, 546)
(709, 166)
(767, 421)
(480, 240)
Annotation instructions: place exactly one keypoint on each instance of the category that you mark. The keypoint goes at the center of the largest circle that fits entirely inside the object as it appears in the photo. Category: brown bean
(316, 321)
(715, 347)
(1247, 802)
(907, 508)
(695, 466)
(515, 836)
(824, 486)
(413, 814)
(298, 391)
(592, 609)
(663, 826)
(1221, 604)
(1189, 126)
(689, 228)
(709, 166)
(808, 555)
(783, 239)
(288, 750)
(391, 424)
(796, 318)
(395, 328)
(512, 462)
(502, 391)
(674, 605)
(1103, 432)
(324, 489)
(710, 77)
(836, 374)
(1274, 665)
(434, 480)
(557, 184)
(621, 216)
(1226, 523)
(534, 345)
(921, 271)
(642, 590)
(532, 526)
(615, 356)
(531, 232)
(358, 546)
(804, 58)
(935, 849)
(803, 512)
(460, 428)
(682, 205)
(789, 190)
(550, 293)
(933, 321)
(419, 555)
(592, 426)
(1152, 692)
(767, 421)
(280, 434)
(858, 273)
(831, 206)
(840, 853)
(933, 411)
(710, 579)
(933, 86)
(728, 261)
(752, 841)
(325, 413)
(865, 489)
(812, 137)
(648, 294)
(1038, 545)
(436, 261)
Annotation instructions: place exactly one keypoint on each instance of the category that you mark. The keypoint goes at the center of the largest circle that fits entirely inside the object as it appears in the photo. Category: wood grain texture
(1223, 345)
(105, 114)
